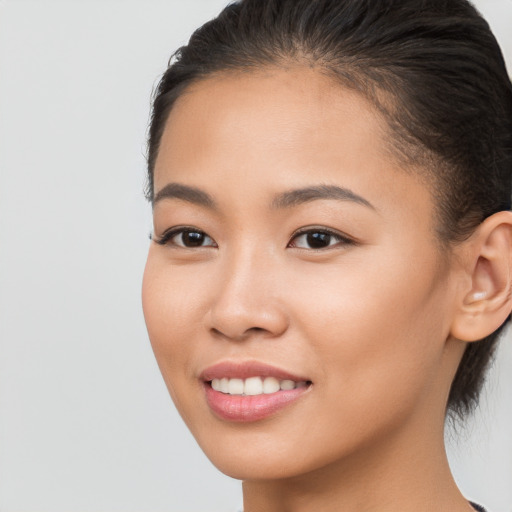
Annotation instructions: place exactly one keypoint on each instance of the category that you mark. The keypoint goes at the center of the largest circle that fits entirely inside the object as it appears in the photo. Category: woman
(331, 262)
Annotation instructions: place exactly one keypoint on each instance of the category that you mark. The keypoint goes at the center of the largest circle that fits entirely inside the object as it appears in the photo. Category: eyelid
(343, 238)
(169, 233)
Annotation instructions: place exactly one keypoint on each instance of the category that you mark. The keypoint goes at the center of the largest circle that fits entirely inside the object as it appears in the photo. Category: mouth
(254, 386)
(246, 392)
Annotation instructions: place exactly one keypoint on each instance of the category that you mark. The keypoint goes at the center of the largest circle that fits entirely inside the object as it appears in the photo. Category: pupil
(318, 240)
(193, 238)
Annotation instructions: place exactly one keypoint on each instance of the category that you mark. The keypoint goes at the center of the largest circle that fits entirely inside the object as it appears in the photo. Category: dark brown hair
(431, 67)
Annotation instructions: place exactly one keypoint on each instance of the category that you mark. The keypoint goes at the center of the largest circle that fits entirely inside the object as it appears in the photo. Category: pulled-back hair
(432, 68)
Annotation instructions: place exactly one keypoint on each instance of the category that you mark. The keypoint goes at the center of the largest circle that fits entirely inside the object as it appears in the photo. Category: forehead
(278, 128)
(296, 101)
(275, 110)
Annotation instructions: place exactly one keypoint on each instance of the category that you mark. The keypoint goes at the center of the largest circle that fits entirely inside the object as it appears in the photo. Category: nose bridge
(247, 294)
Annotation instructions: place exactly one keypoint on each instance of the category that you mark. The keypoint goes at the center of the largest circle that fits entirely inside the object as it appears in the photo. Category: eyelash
(341, 239)
(170, 233)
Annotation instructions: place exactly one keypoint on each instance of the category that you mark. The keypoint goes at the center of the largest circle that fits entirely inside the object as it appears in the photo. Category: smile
(250, 391)
(254, 385)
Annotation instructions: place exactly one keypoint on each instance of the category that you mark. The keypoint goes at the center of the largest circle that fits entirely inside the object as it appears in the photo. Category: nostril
(239, 321)
(245, 334)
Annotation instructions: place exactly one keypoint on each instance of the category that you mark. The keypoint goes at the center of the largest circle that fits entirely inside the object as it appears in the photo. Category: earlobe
(486, 298)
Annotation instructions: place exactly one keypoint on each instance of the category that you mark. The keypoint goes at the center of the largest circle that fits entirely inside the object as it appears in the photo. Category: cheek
(378, 328)
(171, 301)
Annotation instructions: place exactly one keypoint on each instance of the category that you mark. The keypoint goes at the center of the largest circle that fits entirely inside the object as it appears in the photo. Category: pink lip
(244, 370)
(241, 408)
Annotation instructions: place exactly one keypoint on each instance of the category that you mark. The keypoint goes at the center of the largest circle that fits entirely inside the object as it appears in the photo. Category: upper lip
(246, 369)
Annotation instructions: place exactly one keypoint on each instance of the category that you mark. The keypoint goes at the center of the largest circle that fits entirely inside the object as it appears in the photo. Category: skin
(369, 321)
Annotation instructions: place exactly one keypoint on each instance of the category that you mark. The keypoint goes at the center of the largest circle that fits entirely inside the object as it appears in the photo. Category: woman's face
(289, 246)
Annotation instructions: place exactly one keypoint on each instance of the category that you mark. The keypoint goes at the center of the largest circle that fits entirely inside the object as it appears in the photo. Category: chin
(273, 455)
(253, 456)
(255, 468)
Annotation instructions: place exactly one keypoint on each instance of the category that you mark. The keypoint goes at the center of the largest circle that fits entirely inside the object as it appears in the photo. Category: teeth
(236, 387)
(254, 385)
(224, 385)
(271, 385)
(287, 384)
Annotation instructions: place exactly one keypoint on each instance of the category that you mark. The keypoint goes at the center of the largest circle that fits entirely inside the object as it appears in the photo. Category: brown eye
(192, 239)
(189, 238)
(318, 239)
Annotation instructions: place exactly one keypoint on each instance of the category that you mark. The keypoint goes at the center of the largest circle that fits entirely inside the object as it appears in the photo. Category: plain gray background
(85, 421)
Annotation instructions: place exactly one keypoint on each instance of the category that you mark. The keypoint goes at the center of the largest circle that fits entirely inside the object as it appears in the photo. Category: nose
(248, 299)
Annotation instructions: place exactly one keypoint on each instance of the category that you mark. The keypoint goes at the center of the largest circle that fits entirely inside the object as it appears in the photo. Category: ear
(485, 300)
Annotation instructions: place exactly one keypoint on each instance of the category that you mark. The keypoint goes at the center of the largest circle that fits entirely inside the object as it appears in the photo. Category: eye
(186, 237)
(318, 239)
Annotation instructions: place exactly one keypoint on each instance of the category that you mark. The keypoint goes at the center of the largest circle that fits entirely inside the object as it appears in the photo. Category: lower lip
(242, 408)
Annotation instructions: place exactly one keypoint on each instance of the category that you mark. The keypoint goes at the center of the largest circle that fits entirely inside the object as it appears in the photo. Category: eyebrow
(185, 193)
(299, 196)
(287, 199)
